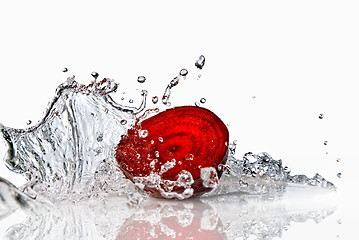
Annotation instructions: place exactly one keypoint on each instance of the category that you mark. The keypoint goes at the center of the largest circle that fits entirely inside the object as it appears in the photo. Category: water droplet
(189, 157)
(203, 100)
(122, 98)
(155, 99)
(157, 154)
(253, 97)
(209, 177)
(339, 175)
(325, 142)
(338, 159)
(183, 72)
(165, 98)
(200, 62)
(167, 166)
(28, 122)
(197, 104)
(160, 139)
(144, 93)
(95, 75)
(141, 79)
(64, 70)
(153, 163)
(321, 116)
(130, 101)
(232, 147)
(143, 133)
(100, 138)
(123, 121)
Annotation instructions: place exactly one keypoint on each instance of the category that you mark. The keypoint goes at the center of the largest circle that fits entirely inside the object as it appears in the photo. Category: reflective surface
(234, 216)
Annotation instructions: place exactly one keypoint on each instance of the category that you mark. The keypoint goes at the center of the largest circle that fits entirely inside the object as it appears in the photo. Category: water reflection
(231, 216)
(173, 220)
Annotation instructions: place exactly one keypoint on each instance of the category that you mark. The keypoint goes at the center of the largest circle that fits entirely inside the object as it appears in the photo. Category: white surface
(298, 59)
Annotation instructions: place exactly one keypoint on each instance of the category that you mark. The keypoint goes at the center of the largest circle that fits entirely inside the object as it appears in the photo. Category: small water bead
(143, 133)
(95, 75)
(64, 70)
(338, 159)
(197, 104)
(325, 142)
(189, 157)
(155, 99)
(209, 177)
(200, 62)
(166, 95)
(183, 72)
(100, 138)
(167, 166)
(185, 179)
(123, 121)
(232, 147)
(130, 101)
(203, 100)
(160, 139)
(141, 79)
(144, 92)
(321, 116)
(339, 175)
(28, 122)
(153, 163)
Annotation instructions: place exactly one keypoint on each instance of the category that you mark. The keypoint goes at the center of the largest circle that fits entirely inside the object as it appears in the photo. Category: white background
(298, 58)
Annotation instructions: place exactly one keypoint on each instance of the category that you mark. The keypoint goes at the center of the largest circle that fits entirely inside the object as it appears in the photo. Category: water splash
(69, 154)
(81, 126)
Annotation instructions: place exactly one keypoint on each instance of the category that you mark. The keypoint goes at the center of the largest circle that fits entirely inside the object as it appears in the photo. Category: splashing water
(69, 154)
(68, 157)
(62, 153)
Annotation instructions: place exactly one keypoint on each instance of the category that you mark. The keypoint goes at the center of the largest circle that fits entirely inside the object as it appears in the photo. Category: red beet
(172, 144)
